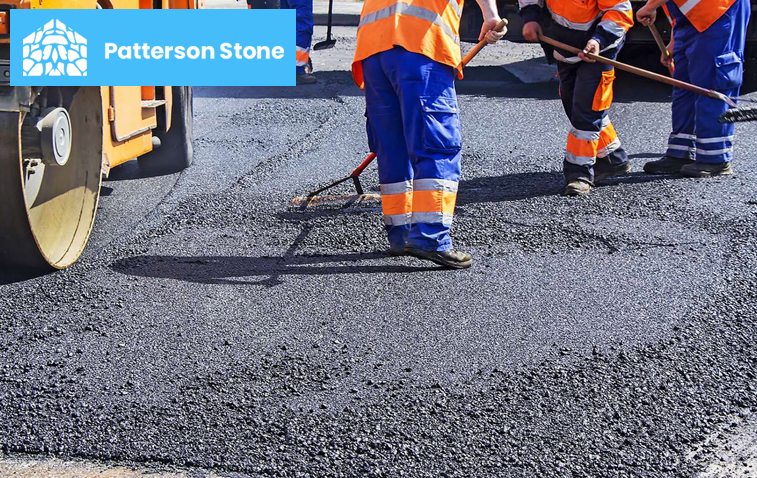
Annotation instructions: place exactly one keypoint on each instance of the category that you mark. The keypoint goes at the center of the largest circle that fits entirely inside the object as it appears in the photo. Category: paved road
(212, 327)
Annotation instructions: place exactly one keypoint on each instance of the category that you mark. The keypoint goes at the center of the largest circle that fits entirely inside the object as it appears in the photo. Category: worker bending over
(708, 50)
(303, 38)
(593, 151)
(406, 58)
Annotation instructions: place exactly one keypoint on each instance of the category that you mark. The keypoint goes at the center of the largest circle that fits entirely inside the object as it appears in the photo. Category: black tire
(175, 152)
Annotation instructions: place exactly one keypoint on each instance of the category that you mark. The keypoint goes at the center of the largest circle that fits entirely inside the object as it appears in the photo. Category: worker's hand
(592, 46)
(668, 62)
(488, 33)
(647, 14)
(532, 31)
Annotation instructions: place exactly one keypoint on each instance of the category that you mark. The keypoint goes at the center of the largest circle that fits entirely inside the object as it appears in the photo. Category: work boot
(705, 170)
(306, 79)
(604, 169)
(577, 187)
(666, 165)
(450, 259)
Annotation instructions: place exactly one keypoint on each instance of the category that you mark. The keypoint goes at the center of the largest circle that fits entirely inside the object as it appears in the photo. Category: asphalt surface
(211, 326)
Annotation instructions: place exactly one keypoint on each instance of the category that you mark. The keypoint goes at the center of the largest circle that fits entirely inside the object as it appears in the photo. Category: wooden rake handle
(660, 43)
(474, 51)
(643, 73)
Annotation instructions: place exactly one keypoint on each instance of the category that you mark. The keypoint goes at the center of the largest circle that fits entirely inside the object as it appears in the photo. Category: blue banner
(152, 47)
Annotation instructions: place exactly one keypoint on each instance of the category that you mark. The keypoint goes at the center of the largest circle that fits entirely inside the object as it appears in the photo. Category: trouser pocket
(729, 71)
(603, 96)
(441, 124)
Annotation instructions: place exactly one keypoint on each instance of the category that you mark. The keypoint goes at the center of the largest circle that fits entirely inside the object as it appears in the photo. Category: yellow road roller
(57, 143)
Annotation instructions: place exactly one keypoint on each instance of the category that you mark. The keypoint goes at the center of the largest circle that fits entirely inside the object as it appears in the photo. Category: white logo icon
(55, 50)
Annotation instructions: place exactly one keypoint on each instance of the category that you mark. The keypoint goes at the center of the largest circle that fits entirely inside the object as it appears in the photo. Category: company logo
(55, 50)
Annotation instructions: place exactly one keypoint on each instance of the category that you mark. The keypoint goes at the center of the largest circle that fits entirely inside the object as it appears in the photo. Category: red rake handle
(644, 73)
(363, 165)
(480, 45)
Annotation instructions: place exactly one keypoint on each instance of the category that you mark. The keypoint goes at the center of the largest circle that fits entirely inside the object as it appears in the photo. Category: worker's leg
(386, 138)
(426, 91)
(304, 34)
(612, 159)
(578, 84)
(720, 66)
(592, 134)
(681, 143)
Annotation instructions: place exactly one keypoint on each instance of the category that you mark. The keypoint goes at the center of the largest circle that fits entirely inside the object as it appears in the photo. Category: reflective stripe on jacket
(703, 13)
(428, 27)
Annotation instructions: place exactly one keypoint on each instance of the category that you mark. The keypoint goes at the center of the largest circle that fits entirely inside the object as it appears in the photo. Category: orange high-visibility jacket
(703, 13)
(615, 17)
(428, 27)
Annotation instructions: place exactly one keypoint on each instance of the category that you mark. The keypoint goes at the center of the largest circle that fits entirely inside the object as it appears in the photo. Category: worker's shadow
(521, 186)
(242, 270)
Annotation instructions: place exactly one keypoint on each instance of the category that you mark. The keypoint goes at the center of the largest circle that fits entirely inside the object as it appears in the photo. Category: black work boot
(577, 187)
(450, 259)
(603, 169)
(666, 165)
(306, 79)
(705, 170)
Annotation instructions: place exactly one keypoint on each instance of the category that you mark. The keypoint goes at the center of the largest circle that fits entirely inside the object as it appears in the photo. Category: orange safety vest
(703, 13)
(581, 15)
(428, 27)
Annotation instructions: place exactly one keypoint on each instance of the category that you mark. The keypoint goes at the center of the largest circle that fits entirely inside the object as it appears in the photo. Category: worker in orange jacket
(593, 151)
(708, 50)
(406, 59)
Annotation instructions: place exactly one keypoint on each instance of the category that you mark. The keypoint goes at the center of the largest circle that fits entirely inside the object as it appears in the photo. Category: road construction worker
(708, 50)
(303, 39)
(406, 59)
(593, 151)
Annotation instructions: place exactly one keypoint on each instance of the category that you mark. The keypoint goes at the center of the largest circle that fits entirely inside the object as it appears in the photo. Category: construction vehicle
(637, 38)
(57, 143)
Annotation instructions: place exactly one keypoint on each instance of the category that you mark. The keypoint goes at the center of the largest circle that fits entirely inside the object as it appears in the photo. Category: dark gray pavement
(211, 326)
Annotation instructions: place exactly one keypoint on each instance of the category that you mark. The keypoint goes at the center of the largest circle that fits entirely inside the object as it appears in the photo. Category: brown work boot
(577, 187)
(666, 165)
(705, 170)
(450, 259)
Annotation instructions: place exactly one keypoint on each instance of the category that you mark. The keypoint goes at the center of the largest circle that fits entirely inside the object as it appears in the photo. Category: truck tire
(175, 152)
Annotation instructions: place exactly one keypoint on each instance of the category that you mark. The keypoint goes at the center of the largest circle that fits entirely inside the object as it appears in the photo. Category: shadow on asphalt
(492, 81)
(521, 186)
(230, 270)
(13, 275)
(130, 171)
(324, 89)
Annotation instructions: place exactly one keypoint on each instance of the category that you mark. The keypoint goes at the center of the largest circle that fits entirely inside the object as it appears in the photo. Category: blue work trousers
(414, 128)
(304, 37)
(713, 59)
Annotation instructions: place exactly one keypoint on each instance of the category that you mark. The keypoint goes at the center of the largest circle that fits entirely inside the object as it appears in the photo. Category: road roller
(58, 143)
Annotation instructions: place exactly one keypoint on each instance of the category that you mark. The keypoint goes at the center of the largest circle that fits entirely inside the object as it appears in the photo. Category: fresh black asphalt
(212, 326)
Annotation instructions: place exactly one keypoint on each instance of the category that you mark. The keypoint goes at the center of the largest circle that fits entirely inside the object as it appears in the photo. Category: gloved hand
(532, 31)
(592, 46)
(490, 35)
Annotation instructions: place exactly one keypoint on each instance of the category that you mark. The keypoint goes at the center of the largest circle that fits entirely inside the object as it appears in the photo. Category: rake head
(737, 115)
